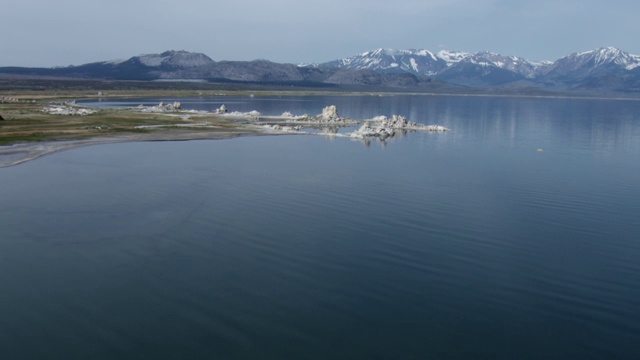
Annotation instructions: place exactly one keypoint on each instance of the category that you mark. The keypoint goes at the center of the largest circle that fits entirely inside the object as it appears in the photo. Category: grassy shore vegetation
(23, 120)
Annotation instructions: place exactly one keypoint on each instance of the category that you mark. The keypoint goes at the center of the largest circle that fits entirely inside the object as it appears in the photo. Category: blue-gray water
(469, 244)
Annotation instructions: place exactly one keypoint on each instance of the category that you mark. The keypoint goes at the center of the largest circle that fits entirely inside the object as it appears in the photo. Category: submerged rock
(330, 130)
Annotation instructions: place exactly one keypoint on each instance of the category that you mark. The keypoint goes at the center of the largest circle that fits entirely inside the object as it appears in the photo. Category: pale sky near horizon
(73, 32)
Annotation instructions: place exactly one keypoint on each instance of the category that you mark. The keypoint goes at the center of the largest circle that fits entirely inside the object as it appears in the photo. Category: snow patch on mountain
(452, 57)
(152, 59)
(115, 61)
(414, 65)
(635, 64)
(186, 59)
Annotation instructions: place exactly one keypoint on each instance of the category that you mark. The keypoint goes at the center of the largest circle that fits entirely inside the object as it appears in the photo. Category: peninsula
(33, 125)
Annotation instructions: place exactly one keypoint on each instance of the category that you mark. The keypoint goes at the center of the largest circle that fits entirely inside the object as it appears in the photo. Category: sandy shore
(19, 153)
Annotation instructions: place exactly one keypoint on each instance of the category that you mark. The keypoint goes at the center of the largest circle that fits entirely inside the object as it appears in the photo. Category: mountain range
(600, 70)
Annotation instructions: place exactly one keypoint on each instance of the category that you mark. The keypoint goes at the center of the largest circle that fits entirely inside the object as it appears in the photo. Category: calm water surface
(456, 245)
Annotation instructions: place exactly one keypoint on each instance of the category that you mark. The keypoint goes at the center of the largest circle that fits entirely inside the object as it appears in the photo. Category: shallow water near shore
(463, 244)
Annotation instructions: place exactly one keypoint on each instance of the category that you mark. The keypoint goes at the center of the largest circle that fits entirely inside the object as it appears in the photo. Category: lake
(516, 235)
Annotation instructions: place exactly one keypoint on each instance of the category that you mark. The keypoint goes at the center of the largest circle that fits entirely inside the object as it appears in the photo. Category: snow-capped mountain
(487, 69)
(490, 69)
(598, 62)
(514, 64)
(419, 62)
(426, 63)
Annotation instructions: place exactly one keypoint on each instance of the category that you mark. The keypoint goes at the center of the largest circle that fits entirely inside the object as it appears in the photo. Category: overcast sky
(72, 32)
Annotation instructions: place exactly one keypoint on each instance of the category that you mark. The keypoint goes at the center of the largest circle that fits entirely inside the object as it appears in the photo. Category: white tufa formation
(330, 113)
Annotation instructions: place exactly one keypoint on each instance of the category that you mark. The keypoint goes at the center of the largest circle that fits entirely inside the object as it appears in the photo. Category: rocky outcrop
(370, 129)
(329, 113)
(382, 127)
(329, 116)
(400, 122)
(279, 128)
(162, 107)
(67, 110)
(253, 114)
(222, 109)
